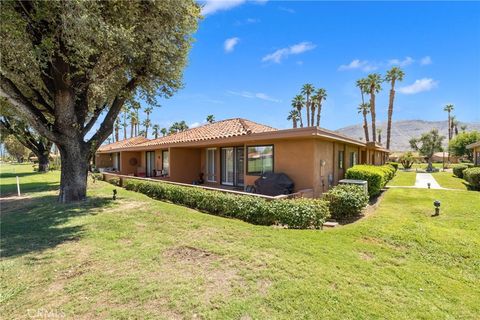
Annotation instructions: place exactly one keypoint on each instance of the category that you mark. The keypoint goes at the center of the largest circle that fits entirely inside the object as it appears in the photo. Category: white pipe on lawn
(18, 187)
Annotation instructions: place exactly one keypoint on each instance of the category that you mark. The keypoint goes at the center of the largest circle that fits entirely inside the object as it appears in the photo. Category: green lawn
(141, 258)
(448, 180)
(403, 178)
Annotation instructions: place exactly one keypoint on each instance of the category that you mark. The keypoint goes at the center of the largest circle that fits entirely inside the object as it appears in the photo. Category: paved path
(422, 180)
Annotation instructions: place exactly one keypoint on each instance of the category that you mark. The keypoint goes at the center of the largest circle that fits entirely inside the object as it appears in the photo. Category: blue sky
(251, 57)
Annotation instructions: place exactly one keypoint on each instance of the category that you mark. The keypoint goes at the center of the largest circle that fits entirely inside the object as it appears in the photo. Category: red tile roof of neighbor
(221, 129)
(123, 143)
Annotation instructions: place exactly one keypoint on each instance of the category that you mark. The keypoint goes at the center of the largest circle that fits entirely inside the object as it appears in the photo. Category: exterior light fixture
(428, 184)
(436, 203)
(114, 194)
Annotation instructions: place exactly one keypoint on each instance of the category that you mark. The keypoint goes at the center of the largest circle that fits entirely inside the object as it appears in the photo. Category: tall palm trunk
(132, 124)
(372, 111)
(319, 111)
(449, 127)
(300, 117)
(308, 110)
(365, 125)
(294, 123)
(390, 113)
(124, 125)
(312, 121)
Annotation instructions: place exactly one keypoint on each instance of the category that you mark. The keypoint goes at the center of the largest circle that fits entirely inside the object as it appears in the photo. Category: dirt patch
(263, 285)
(190, 254)
(366, 255)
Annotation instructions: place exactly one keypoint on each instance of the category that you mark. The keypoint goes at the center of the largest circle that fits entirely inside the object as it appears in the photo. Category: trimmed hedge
(346, 200)
(459, 168)
(394, 164)
(376, 176)
(472, 176)
(297, 213)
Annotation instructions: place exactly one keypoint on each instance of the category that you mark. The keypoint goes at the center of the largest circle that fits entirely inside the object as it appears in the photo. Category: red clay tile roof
(123, 143)
(221, 129)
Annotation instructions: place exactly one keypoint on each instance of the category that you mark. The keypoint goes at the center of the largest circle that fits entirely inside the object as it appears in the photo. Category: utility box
(362, 183)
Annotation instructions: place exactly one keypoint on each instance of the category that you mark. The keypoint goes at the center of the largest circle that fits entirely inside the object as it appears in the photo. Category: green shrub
(394, 164)
(472, 176)
(298, 213)
(115, 181)
(459, 168)
(97, 176)
(376, 176)
(346, 201)
(407, 160)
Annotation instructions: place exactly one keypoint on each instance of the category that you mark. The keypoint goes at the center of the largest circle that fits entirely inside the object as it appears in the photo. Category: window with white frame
(210, 166)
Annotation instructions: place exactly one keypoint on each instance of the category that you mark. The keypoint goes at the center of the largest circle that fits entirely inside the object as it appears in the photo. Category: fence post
(18, 187)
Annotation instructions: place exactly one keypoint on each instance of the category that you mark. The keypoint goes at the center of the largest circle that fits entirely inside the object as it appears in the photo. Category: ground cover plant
(137, 257)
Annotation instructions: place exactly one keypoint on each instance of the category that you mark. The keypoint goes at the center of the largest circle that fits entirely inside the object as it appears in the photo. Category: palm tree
(393, 75)
(463, 127)
(298, 103)
(454, 126)
(210, 118)
(124, 123)
(293, 115)
(374, 81)
(117, 129)
(164, 131)
(321, 95)
(363, 86)
(155, 130)
(133, 124)
(307, 90)
(313, 107)
(364, 109)
(379, 134)
(449, 108)
(147, 122)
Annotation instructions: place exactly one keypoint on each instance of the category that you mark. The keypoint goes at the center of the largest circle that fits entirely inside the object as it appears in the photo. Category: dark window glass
(260, 160)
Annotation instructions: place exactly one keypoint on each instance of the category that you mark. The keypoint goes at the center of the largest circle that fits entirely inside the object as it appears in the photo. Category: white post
(18, 187)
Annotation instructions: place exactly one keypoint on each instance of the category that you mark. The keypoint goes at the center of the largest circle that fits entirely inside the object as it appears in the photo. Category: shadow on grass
(32, 225)
(11, 189)
(5, 175)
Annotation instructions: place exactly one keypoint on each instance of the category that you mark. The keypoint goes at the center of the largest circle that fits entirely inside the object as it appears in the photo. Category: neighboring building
(476, 152)
(234, 153)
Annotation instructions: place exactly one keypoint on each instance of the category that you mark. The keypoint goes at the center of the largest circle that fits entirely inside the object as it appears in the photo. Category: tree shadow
(5, 175)
(11, 189)
(33, 225)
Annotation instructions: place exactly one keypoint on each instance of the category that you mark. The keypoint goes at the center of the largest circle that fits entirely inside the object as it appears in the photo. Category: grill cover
(274, 184)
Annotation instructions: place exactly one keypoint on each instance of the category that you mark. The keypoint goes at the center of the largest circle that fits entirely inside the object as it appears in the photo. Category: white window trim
(214, 166)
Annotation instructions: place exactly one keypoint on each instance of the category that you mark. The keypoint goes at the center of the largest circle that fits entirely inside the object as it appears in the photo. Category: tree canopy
(458, 145)
(64, 63)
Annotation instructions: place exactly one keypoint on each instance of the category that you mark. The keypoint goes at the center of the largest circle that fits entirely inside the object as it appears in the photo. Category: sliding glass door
(233, 159)
(150, 155)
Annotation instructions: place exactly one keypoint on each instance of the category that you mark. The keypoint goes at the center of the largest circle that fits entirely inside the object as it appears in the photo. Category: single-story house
(234, 153)
(476, 152)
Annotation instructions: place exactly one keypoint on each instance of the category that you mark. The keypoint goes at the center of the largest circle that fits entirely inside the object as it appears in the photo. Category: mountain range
(403, 131)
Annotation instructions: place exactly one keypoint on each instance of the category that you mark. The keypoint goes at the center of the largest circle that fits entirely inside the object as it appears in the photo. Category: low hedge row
(472, 176)
(297, 213)
(459, 168)
(394, 164)
(376, 176)
(346, 201)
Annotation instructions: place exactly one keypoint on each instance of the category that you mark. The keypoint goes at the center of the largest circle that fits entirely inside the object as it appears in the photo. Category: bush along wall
(472, 176)
(376, 176)
(346, 200)
(459, 168)
(295, 213)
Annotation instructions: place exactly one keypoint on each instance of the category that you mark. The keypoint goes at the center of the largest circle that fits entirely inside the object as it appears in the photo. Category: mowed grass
(140, 258)
(29, 180)
(403, 178)
(448, 180)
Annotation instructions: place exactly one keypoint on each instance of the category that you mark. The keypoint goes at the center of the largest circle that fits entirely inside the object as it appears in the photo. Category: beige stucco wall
(184, 164)
(126, 167)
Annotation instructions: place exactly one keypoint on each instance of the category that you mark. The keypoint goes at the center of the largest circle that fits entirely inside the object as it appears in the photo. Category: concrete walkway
(422, 180)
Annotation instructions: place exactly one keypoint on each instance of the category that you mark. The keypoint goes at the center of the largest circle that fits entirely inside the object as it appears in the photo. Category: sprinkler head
(114, 194)
(428, 184)
(436, 204)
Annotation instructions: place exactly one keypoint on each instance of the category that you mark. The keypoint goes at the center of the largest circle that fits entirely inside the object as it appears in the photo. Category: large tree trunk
(390, 114)
(43, 163)
(372, 111)
(73, 179)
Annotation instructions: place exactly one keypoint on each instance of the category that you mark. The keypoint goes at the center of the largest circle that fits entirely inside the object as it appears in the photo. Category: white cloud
(401, 63)
(421, 85)
(363, 65)
(280, 54)
(230, 44)
(426, 61)
(286, 9)
(194, 125)
(213, 6)
(251, 95)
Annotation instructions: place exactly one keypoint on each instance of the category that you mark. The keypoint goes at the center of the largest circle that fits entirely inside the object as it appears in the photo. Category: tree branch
(93, 119)
(14, 96)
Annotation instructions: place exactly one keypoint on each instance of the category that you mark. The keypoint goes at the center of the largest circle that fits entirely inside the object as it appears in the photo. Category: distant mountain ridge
(403, 131)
